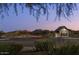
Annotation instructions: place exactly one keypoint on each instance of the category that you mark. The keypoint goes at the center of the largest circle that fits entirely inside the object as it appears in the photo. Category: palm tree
(62, 9)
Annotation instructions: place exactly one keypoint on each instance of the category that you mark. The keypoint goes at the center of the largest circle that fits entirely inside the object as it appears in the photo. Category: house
(63, 31)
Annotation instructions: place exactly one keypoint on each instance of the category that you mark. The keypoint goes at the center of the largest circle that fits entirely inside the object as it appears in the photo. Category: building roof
(59, 28)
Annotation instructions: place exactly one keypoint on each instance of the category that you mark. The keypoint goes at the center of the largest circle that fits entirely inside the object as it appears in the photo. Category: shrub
(51, 48)
(65, 50)
(10, 48)
(41, 45)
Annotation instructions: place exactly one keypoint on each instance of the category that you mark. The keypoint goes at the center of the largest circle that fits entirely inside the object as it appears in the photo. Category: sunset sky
(25, 21)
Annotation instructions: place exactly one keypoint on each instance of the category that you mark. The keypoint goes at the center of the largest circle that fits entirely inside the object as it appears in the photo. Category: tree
(1, 33)
(62, 9)
(41, 32)
(37, 32)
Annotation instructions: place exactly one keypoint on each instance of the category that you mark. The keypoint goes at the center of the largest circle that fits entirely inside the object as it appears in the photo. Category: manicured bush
(10, 48)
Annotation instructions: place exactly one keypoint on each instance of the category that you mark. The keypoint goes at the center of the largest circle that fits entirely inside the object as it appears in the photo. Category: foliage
(36, 9)
(2, 33)
(65, 50)
(10, 48)
(40, 32)
(41, 45)
(52, 48)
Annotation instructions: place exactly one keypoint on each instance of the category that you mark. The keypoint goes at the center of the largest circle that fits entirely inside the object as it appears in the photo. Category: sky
(25, 21)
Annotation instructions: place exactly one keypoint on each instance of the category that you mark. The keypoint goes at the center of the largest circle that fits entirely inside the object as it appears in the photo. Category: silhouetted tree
(36, 9)
(37, 32)
(41, 32)
(1, 33)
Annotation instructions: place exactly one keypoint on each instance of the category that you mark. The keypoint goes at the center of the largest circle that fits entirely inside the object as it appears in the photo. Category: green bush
(66, 49)
(10, 48)
(41, 45)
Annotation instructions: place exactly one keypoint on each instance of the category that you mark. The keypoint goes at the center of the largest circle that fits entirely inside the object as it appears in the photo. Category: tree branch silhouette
(36, 9)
